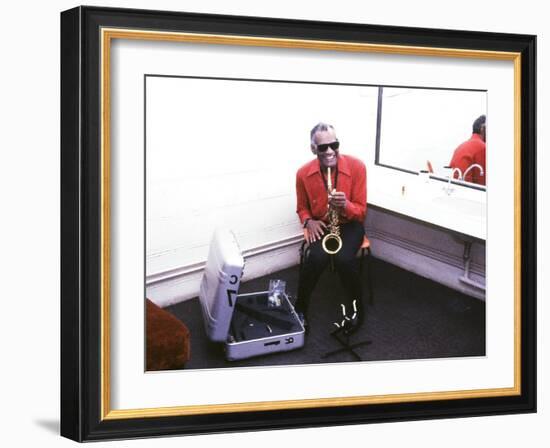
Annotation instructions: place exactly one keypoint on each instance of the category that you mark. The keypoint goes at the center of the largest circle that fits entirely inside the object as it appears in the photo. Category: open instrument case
(244, 322)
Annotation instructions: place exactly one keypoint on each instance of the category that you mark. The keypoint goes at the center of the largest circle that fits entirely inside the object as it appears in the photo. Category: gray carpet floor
(411, 318)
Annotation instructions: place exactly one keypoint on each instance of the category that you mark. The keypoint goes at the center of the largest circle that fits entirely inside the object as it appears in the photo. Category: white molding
(426, 266)
(183, 283)
(433, 253)
(418, 248)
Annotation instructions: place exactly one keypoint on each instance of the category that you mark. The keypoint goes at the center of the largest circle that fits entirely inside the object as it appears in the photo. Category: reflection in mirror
(439, 130)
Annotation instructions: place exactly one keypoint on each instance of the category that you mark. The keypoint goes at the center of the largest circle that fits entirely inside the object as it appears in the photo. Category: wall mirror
(421, 129)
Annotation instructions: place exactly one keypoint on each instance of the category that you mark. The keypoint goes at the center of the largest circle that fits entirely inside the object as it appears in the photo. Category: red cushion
(167, 339)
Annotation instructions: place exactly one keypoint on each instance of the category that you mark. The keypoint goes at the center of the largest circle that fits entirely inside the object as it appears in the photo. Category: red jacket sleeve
(302, 202)
(356, 207)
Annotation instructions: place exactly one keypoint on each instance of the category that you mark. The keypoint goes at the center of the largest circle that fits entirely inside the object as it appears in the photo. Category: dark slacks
(345, 263)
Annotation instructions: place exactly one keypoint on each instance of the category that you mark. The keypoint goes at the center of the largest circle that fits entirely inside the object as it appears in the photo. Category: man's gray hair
(317, 128)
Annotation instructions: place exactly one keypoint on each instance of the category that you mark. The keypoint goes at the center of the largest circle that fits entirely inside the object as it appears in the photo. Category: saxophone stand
(343, 332)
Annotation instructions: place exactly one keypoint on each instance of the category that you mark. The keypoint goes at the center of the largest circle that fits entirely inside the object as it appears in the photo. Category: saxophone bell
(332, 243)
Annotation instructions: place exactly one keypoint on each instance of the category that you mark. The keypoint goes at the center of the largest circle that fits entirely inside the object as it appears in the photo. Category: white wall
(225, 153)
(30, 225)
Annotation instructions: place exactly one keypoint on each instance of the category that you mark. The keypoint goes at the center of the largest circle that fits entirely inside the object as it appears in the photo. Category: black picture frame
(84, 411)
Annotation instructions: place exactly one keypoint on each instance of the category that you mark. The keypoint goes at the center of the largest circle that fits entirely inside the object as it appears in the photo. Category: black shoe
(303, 321)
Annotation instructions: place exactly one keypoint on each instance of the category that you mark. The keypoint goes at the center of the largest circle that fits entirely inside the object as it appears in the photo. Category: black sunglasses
(334, 146)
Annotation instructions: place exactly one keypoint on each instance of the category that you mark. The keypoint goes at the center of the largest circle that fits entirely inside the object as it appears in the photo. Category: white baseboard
(426, 266)
(430, 252)
(177, 285)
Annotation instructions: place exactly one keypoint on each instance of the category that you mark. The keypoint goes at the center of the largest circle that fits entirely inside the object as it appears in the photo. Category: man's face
(326, 158)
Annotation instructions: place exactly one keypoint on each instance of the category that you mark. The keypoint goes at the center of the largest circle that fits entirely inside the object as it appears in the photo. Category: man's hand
(315, 230)
(338, 199)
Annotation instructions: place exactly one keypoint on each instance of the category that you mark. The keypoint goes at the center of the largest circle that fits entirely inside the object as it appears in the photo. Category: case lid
(220, 284)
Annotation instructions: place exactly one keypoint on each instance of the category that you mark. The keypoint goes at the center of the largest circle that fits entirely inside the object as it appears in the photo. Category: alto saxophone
(332, 242)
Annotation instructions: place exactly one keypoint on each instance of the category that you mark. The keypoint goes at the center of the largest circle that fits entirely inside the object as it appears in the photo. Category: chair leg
(369, 277)
(366, 253)
(303, 250)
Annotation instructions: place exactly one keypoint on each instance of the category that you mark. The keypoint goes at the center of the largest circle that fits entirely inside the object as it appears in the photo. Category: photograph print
(293, 223)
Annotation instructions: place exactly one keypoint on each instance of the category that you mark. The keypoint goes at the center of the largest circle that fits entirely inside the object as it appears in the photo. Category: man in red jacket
(472, 152)
(349, 197)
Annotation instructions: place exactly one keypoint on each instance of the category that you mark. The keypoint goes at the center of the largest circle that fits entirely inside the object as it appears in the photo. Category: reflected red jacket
(312, 196)
(470, 152)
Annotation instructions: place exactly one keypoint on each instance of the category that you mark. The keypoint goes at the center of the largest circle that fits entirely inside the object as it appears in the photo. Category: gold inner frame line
(107, 34)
